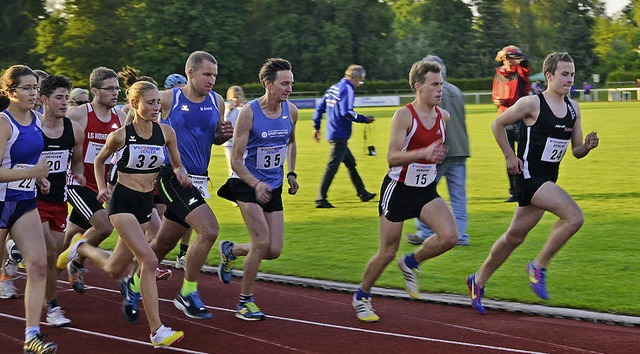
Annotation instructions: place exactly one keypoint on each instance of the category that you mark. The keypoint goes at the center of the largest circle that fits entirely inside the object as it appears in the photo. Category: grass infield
(596, 270)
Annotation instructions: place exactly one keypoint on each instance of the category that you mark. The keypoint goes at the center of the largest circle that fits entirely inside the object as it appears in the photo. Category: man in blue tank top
(551, 121)
(194, 112)
(264, 137)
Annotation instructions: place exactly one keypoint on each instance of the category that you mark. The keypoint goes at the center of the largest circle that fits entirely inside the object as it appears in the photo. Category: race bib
(145, 157)
(25, 185)
(270, 157)
(554, 150)
(200, 182)
(420, 175)
(92, 151)
(57, 160)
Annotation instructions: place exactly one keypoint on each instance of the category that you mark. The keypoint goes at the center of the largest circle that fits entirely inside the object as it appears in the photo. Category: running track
(306, 320)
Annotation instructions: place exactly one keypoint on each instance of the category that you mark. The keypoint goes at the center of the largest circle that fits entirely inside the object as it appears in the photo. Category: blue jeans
(456, 175)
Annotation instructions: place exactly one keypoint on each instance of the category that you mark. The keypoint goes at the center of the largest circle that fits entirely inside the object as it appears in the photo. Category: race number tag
(554, 150)
(200, 182)
(57, 160)
(25, 185)
(145, 157)
(270, 157)
(92, 151)
(420, 175)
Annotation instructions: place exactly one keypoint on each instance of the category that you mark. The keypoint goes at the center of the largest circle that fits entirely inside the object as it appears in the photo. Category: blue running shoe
(192, 306)
(249, 311)
(538, 280)
(225, 271)
(476, 293)
(130, 300)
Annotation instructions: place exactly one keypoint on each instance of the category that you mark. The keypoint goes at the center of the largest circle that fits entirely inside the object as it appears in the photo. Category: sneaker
(537, 280)
(76, 279)
(10, 267)
(130, 300)
(323, 204)
(56, 318)
(225, 271)
(410, 278)
(71, 252)
(192, 306)
(8, 290)
(165, 336)
(181, 261)
(366, 196)
(414, 239)
(476, 293)
(364, 310)
(14, 257)
(163, 273)
(249, 311)
(37, 345)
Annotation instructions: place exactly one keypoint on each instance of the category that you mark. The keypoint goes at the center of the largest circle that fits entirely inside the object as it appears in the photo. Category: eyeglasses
(110, 88)
(27, 88)
(80, 102)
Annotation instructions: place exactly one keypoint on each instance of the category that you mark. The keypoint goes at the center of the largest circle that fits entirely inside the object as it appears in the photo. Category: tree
(19, 20)
(494, 32)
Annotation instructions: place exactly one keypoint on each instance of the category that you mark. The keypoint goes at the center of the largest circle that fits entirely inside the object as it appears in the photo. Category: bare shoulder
(293, 110)
(445, 114)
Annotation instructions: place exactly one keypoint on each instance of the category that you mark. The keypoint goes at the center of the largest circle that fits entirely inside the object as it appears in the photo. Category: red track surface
(308, 321)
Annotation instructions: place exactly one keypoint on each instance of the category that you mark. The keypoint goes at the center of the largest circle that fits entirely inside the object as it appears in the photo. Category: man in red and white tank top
(97, 118)
(409, 189)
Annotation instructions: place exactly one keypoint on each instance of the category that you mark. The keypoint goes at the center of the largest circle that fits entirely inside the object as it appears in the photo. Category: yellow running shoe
(165, 336)
(66, 256)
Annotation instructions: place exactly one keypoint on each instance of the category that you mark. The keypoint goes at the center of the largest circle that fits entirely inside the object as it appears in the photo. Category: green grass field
(596, 270)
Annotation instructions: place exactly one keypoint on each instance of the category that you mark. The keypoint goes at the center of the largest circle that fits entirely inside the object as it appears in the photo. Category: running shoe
(537, 280)
(364, 309)
(165, 336)
(56, 318)
(37, 345)
(8, 290)
(192, 306)
(181, 261)
(71, 252)
(225, 271)
(249, 311)
(76, 280)
(476, 293)
(163, 273)
(130, 300)
(410, 278)
(14, 257)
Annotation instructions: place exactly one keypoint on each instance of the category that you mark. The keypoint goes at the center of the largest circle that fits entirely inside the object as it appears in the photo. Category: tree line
(320, 37)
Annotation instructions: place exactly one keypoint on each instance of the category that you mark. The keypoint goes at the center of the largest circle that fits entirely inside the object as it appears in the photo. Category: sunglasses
(80, 102)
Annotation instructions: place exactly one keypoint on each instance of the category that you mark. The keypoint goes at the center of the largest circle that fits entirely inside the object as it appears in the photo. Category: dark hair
(100, 74)
(551, 61)
(10, 79)
(52, 82)
(270, 68)
(129, 76)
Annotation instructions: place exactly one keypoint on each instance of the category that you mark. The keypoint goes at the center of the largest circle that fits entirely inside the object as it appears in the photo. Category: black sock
(77, 264)
(183, 249)
(245, 298)
(52, 304)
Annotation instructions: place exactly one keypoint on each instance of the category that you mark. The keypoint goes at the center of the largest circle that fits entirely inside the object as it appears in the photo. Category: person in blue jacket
(337, 102)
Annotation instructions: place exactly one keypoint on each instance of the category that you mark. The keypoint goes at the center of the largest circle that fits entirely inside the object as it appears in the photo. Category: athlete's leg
(390, 235)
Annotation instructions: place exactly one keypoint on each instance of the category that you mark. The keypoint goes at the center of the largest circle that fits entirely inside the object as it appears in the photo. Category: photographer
(511, 82)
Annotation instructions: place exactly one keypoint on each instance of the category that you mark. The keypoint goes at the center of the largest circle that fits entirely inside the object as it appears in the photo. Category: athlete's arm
(166, 101)
(400, 125)
(77, 165)
(224, 131)
(292, 151)
(172, 146)
(578, 148)
(115, 141)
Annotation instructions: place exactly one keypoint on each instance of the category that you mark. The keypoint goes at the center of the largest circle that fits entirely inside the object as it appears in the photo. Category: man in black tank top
(550, 122)
(63, 148)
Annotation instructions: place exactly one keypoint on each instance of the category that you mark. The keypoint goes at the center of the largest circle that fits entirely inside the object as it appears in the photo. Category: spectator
(78, 96)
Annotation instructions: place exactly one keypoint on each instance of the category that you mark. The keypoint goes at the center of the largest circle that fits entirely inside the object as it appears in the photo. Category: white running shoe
(55, 317)
(364, 310)
(14, 257)
(181, 262)
(7, 290)
(410, 278)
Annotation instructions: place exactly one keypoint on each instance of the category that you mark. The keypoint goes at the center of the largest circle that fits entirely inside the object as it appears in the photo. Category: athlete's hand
(514, 165)
(44, 185)
(182, 177)
(41, 169)
(293, 184)
(591, 140)
(263, 192)
(79, 177)
(227, 130)
(435, 152)
(104, 194)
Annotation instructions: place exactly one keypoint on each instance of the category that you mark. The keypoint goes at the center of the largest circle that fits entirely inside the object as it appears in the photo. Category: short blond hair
(419, 69)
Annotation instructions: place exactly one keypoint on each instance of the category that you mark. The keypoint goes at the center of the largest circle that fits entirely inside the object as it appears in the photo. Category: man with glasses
(338, 103)
(97, 119)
